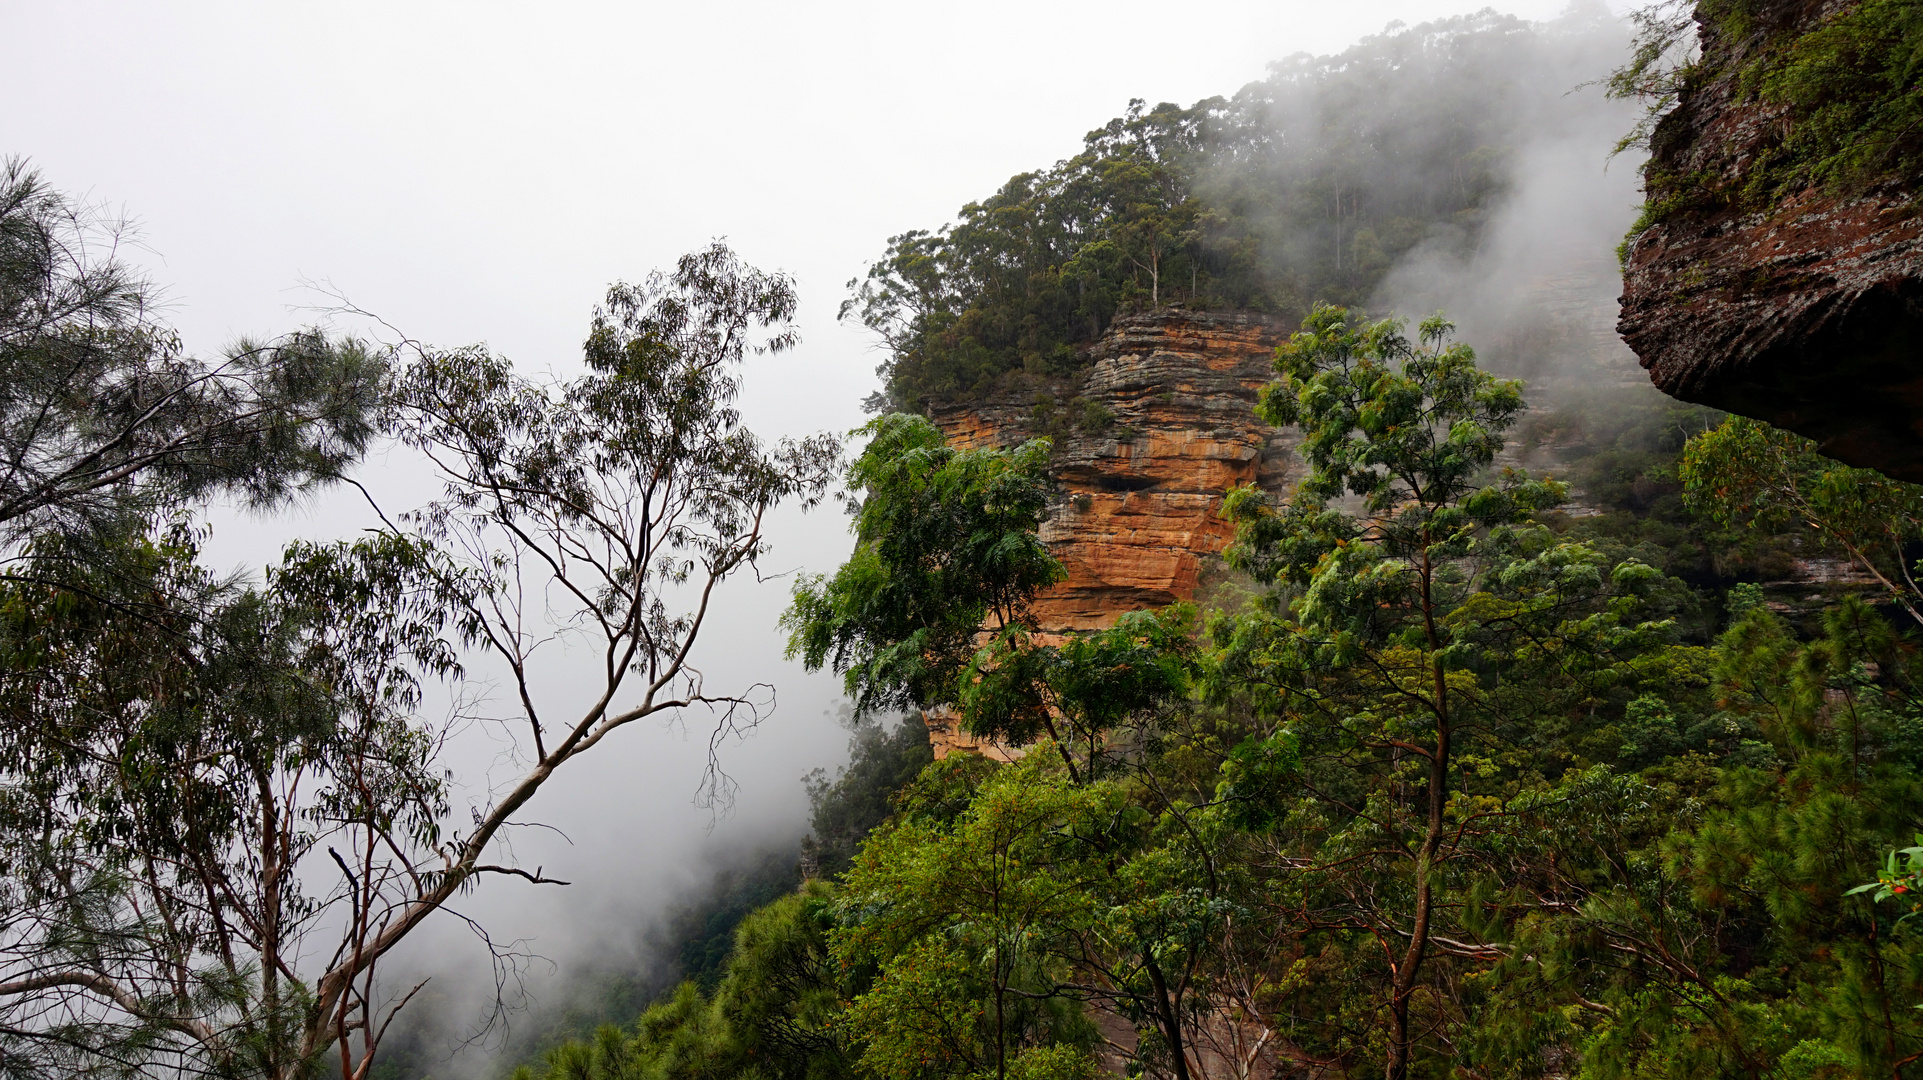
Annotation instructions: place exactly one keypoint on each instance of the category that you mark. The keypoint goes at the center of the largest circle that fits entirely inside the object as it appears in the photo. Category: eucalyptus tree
(292, 828)
(602, 514)
(1416, 637)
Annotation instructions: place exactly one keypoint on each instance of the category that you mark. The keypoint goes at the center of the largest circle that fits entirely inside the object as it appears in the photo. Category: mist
(1463, 164)
(1534, 288)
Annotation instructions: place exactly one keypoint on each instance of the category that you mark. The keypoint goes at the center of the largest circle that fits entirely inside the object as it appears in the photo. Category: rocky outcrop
(1159, 424)
(1807, 313)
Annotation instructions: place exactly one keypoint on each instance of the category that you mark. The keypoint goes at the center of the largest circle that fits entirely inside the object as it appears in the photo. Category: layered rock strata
(1807, 314)
(1158, 426)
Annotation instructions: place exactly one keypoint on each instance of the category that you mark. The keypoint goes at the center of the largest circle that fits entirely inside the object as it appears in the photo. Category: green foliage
(1023, 276)
(1849, 84)
(707, 928)
(1749, 475)
(1739, 948)
(161, 723)
(1661, 60)
(1843, 83)
(1902, 872)
(880, 763)
(1622, 446)
(1056, 1062)
(1015, 689)
(944, 542)
(1445, 791)
(1048, 420)
(201, 782)
(1417, 648)
(1389, 419)
(1303, 187)
(959, 914)
(772, 1016)
(104, 418)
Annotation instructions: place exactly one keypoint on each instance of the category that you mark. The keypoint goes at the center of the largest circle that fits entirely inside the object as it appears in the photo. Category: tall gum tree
(283, 801)
(1381, 610)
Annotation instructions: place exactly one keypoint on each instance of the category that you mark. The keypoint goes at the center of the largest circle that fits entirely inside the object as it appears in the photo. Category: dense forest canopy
(1449, 781)
(1449, 778)
(1453, 784)
(1306, 186)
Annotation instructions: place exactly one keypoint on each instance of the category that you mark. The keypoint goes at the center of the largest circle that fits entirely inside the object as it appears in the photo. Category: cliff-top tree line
(1303, 187)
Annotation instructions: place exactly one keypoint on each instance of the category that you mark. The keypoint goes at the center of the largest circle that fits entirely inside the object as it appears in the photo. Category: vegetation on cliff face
(1841, 93)
(1457, 785)
(1304, 187)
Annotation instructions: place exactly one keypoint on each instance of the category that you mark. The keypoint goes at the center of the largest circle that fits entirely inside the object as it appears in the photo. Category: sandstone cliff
(1160, 423)
(1806, 312)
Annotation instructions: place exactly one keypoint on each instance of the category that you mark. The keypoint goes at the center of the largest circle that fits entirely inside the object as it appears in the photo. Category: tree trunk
(1404, 981)
(1403, 986)
(1338, 229)
(1166, 1017)
(1001, 1041)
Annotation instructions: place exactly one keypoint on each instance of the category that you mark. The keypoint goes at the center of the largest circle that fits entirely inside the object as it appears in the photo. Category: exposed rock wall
(1159, 425)
(1807, 314)
(1147, 439)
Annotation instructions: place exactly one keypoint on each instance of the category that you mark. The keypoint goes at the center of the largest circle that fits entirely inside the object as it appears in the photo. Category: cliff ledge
(1806, 312)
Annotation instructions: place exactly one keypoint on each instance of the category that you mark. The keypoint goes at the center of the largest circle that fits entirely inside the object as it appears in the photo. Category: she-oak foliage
(105, 419)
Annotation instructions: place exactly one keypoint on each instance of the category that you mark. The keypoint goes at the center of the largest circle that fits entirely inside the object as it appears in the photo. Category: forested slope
(1521, 737)
(1306, 186)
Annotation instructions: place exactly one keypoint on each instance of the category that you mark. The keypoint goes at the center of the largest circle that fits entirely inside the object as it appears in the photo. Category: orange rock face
(1158, 426)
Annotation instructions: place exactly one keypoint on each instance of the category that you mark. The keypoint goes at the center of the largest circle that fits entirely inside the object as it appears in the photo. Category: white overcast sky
(481, 172)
